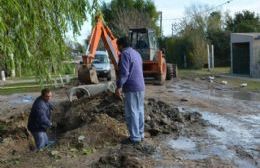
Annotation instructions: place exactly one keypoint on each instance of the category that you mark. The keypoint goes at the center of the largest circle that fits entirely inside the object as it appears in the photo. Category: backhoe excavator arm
(87, 73)
(100, 31)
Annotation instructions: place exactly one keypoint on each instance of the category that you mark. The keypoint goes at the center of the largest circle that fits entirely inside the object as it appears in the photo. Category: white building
(245, 54)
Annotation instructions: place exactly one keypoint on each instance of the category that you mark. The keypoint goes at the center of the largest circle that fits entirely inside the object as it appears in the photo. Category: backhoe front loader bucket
(87, 74)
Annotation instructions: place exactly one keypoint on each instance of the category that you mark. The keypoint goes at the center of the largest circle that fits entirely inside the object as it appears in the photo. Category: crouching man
(40, 119)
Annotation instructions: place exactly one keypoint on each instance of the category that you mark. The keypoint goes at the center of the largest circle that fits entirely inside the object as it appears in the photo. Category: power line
(206, 11)
(177, 22)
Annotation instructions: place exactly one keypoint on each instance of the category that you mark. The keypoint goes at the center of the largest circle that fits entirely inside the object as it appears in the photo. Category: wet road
(233, 134)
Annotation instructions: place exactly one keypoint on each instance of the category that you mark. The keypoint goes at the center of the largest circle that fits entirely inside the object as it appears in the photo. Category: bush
(197, 57)
(68, 69)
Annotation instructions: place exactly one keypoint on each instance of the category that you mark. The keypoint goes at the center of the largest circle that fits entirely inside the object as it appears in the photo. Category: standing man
(39, 119)
(131, 83)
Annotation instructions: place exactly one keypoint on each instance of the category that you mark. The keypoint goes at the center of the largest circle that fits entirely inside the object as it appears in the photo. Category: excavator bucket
(87, 74)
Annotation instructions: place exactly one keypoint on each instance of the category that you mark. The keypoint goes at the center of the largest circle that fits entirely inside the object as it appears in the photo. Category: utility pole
(172, 29)
(212, 56)
(209, 64)
(160, 13)
(12, 65)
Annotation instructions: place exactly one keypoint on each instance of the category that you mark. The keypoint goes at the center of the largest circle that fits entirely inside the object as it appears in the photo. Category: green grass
(24, 84)
(8, 91)
(22, 78)
(252, 84)
(20, 88)
(34, 78)
(235, 82)
(20, 84)
(193, 73)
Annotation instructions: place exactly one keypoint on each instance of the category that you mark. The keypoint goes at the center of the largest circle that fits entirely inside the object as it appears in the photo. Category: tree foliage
(34, 32)
(217, 36)
(122, 15)
(192, 38)
(244, 21)
(199, 28)
(214, 23)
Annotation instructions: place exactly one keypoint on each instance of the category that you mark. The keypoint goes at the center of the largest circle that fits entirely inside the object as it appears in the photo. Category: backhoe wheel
(169, 73)
(161, 77)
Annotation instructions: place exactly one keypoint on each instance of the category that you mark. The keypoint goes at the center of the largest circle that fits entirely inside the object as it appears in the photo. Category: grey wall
(255, 68)
(254, 52)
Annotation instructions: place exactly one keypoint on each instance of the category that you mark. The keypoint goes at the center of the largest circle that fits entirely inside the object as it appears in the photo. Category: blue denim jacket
(40, 116)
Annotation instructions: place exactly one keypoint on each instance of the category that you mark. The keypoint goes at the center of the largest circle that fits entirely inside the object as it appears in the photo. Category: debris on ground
(88, 132)
(92, 124)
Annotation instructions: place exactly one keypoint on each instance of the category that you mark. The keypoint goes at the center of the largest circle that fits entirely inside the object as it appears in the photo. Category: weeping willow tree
(33, 32)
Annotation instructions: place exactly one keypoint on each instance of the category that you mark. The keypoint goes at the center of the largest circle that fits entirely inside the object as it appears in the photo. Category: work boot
(128, 141)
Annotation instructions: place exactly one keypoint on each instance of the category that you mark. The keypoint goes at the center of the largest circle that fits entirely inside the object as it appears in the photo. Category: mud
(98, 122)
(185, 126)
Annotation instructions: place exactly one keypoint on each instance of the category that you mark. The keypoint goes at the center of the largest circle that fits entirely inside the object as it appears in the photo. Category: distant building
(245, 54)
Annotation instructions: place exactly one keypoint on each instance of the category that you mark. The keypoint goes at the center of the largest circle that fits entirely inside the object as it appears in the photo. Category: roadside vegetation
(187, 47)
(33, 35)
(39, 50)
(29, 84)
(221, 75)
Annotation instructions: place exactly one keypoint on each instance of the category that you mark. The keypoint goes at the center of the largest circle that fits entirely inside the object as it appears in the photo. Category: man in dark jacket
(40, 118)
(131, 83)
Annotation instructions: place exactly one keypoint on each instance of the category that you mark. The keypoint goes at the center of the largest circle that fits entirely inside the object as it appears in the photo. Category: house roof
(254, 35)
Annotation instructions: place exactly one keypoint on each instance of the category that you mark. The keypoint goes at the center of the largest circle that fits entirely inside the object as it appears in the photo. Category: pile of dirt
(159, 116)
(98, 122)
(93, 124)
(84, 111)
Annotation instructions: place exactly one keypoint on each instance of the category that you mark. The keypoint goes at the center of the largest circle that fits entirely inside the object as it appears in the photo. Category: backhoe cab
(154, 63)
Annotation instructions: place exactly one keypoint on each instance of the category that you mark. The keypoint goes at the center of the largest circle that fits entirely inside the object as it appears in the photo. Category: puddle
(22, 100)
(183, 143)
(234, 131)
(240, 95)
(212, 150)
(231, 139)
(215, 93)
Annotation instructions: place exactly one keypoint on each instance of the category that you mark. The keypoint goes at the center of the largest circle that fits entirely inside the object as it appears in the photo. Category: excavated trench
(97, 122)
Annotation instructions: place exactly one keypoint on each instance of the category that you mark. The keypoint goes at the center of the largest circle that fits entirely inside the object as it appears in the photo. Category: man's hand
(119, 93)
(53, 125)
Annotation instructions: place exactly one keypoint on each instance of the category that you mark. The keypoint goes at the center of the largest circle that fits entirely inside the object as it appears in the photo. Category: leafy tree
(34, 32)
(122, 15)
(220, 38)
(214, 22)
(197, 55)
(193, 37)
(244, 21)
(199, 28)
(176, 48)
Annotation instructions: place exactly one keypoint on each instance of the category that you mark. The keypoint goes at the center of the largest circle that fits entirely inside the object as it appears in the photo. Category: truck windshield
(100, 59)
(139, 40)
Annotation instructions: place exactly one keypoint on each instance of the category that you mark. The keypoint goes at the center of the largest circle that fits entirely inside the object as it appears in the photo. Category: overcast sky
(172, 9)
